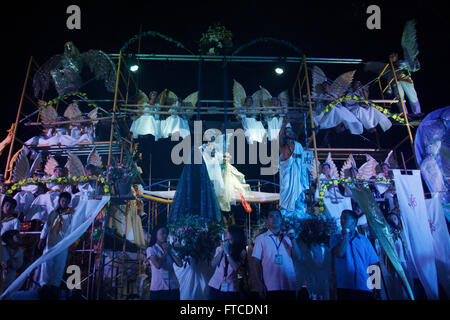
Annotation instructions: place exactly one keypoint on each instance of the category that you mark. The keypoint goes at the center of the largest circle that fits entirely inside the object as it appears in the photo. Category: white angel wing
(347, 166)
(368, 169)
(141, 97)
(318, 77)
(265, 97)
(340, 86)
(238, 94)
(409, 41)
(93, 115)
(22, 167)
(37, 164)
(333, 169)
(391, 161)
(284, 98)
(191, 100)
(315, 168)
(48, 114)
(74, 165)
(94, 158)
(72, 111)
(50, 166)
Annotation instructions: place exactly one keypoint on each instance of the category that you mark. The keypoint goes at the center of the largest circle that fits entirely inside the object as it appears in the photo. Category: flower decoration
(386, 112)
(64, 97)
(67, 180)
(216, 40)
(345, 181)
(195, 237)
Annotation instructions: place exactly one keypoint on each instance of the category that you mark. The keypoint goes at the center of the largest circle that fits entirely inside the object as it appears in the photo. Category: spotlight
(280, 67)
(133, 63)
(279, 71)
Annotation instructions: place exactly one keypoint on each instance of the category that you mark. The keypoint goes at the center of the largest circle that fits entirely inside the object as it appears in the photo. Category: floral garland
(64, 97)
(195, 238)
(67, 180)
(344, 181)
(215, 40)
(153, 34)
(385, 111)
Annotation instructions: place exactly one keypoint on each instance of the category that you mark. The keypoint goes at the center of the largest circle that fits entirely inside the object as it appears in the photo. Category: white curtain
(416, 228)
(84, 215)
(441, 240)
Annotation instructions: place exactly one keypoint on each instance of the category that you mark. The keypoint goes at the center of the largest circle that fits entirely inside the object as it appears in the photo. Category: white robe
(369, 117)
(254, 129)
(174, 123)
(291, 187)
(273, 127)
(52, 270)
(147, 124)
(24, 200)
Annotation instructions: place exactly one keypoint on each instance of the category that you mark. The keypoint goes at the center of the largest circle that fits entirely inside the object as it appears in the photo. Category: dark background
(319, 28)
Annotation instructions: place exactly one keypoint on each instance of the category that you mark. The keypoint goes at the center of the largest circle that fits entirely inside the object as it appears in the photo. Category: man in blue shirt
(352, 255)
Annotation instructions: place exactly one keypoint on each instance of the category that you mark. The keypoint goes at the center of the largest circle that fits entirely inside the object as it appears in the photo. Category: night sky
(319, 28)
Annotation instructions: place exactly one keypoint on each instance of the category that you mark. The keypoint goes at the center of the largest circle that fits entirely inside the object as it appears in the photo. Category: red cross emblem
(412, 202)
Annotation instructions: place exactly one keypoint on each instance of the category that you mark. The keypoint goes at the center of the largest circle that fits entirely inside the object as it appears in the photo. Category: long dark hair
(238, 244)
(155, 232)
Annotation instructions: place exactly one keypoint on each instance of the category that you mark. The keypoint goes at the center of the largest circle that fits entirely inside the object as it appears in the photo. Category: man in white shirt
(275, 252)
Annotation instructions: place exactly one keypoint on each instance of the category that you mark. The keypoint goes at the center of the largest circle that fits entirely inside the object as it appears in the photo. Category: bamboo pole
(114, 108)
(404, 113)
(17, 117)
(312, 120)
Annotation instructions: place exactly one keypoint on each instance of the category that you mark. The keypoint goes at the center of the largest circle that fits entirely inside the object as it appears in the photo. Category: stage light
(279, 71)
(133, 63)
(280, 67)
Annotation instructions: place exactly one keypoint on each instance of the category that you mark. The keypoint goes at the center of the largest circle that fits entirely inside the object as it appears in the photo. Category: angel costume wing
(238, 94)
(22, 167)
(318, 77)
(95, 159)
(74, 165)
(142, 98)
(284, 98)
(264, 97)
(409, 41)
(391, 161)
(93, 115)
(333, 169)
(42, 78)
(348, 165)
(315, 168)
(172, 98)
(162, 97)
(37, 164)
(190, 101)
(368, 169)
(72, 111)
(48, 114)
(340, 86)
(50, 166)
(102, 66)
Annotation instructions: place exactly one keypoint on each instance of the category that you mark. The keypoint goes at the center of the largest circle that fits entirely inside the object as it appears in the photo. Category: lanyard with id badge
(278, 256)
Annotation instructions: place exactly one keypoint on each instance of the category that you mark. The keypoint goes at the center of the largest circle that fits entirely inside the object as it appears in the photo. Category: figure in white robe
(12, 257)
(370, 117)
(175, 123)
(229, 184)
(274, 122)
(148, 123)
(293, 182)
(254, 129)
(57, 227)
